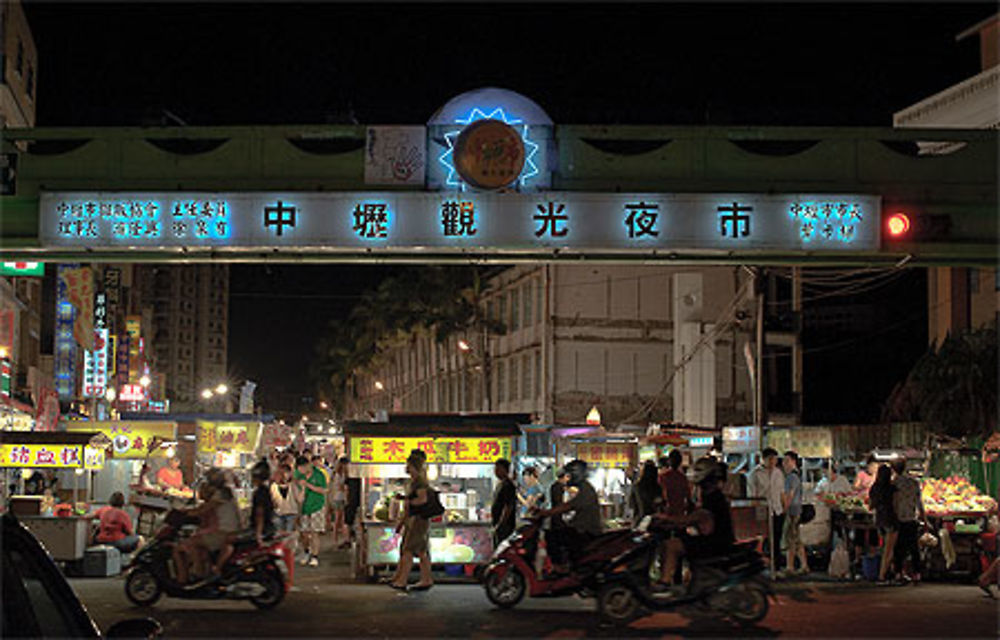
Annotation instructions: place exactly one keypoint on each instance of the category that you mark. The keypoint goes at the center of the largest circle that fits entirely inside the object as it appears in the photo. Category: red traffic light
(898, 224)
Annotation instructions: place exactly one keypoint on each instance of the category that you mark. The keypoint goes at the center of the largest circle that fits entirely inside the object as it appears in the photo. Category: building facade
(19, 67)
(641, 343)
(190, 320)
(962, 297)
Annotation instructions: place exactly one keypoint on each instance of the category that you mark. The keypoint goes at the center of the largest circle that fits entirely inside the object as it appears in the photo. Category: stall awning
(49, 437)
(441, 425)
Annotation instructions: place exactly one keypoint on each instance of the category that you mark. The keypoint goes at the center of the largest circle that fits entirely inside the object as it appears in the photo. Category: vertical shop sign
(112, 297)
(64, 360)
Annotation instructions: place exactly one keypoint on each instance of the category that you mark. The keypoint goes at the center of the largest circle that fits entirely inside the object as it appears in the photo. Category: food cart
(609, 456)
(740, 445)
(229, 445)
(461, 450)
(64, 535)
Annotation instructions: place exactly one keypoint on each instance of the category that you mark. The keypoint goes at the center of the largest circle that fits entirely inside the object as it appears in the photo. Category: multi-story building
(19, 67)
(642, 344)
(190, 320)
(962, 297)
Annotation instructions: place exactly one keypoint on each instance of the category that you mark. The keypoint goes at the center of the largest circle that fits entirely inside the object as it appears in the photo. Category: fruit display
(954, 494)
(846, 502)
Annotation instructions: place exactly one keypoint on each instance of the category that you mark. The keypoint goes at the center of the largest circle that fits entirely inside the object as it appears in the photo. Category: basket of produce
(954, 496)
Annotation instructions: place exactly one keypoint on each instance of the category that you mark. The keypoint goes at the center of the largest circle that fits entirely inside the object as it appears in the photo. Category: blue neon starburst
(447, 159)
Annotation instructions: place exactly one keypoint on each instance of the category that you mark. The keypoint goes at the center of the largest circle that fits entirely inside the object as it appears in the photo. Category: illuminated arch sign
(419, 222)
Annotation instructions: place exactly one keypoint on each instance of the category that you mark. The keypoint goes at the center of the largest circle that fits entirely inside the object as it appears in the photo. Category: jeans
(566, 544)
(286, 522)
(128, 544)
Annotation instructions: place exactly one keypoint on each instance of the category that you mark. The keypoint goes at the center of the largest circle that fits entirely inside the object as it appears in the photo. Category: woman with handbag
(415, 527)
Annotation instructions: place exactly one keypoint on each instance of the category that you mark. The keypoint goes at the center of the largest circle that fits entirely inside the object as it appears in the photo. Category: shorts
(128, 544)
(214, 540)
(790, 540)
(286, 522)
(337, 505)
(314, 522)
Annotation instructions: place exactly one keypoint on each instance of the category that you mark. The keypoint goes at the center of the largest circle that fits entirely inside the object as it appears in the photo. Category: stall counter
(462, 543)
(64, 538)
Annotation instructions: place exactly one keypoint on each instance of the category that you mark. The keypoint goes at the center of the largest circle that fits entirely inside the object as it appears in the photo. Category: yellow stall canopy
(130, 438)
(226, 435)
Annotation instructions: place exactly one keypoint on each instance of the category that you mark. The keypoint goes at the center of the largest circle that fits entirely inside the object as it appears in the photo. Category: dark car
(39, 603)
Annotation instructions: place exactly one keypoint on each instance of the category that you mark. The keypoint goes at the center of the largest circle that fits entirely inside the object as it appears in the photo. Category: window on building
(500, 381)
(502, 312)
(538, 374)
(512, 380)
(490, 310)
(515, 312)
(527, 298)
(29, 82)
(526, 387)
(973, 280)
(19, 58)
(538, 302)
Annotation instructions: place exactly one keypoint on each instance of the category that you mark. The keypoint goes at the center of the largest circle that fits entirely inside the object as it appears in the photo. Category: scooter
(260, 574)
(516, 569)
(729, 585)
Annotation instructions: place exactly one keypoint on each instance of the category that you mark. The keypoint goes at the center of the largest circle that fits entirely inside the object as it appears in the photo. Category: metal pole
(759, 391)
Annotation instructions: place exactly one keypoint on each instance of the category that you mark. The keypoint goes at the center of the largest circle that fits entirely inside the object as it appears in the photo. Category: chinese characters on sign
(827, 219)
(458, 218)
(607, 454)
(41, 455)
(491, 221)
(128, 439)
(382, 450)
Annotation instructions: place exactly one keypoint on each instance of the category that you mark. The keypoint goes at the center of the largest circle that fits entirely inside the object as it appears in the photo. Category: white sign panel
(95, 366)
(463, 222)
(395, 155)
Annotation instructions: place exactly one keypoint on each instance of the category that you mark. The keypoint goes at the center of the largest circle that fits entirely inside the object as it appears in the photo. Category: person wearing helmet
(712, 521)
(262, 504)
(586, 522)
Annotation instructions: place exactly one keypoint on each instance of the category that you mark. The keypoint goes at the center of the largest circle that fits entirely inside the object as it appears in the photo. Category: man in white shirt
(768, 481)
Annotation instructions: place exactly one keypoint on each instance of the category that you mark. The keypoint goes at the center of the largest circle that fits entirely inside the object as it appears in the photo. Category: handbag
(430, 509)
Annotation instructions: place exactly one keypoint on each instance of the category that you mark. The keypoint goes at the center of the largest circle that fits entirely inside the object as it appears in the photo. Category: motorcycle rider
(586, 523)
(712, 520)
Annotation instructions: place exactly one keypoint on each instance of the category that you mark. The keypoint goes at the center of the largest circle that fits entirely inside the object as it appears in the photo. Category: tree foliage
(953, 387)
(440, 300)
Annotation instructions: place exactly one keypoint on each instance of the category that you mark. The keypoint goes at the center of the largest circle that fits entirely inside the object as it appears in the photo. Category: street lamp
(463, 345)
(379, 386)
(324, 406)
(222, 389)
(110, 394)
(145, 381)
(206, 393)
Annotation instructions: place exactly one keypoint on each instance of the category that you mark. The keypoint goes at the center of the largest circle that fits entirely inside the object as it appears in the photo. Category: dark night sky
(749, 63)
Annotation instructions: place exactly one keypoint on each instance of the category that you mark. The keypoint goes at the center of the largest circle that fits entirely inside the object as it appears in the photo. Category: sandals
(419, 587)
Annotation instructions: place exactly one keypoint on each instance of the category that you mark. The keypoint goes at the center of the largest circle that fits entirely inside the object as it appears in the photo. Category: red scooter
(512, 572)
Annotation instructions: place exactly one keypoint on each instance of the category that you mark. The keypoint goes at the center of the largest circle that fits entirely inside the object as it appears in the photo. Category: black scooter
(730, 585)
(258, 574)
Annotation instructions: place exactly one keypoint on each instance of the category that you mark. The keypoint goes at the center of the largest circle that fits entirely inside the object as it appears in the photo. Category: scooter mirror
(644, 523)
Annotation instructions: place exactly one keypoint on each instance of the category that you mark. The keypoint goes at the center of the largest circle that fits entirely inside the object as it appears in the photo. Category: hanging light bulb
(594, 417)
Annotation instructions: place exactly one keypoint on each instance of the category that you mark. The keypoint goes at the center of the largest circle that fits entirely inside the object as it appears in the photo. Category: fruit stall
(958, 514)
(461, 451)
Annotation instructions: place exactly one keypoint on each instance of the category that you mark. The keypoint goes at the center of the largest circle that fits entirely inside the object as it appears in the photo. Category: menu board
(607, 454)
(381, 450)
(741, 439)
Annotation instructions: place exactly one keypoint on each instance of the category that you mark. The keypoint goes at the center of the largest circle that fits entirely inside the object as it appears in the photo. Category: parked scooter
(519, 566)
(730, 585)
(259, 574)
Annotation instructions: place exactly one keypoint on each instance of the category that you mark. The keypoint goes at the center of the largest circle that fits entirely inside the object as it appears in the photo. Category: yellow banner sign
(238, 437)
(607, 454)
(56, 456)
(379, 450)
(129, 439)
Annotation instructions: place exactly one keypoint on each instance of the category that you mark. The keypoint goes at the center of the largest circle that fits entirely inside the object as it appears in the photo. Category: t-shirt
(313, 501)
(586, 510)
(170, 477)
(115, 524)
(676, 492)
(529, 493)
(227, 514)
(722, 537)
(262, 500)
(906, 499)
(793, 485)
(505, 496)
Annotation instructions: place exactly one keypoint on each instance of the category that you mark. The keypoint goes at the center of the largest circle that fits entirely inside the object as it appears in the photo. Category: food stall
(609, 457)
(461, 450)
(740, 445)
(229, 445)
(64, 533)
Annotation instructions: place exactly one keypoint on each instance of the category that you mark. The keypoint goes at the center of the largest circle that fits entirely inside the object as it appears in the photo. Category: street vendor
(171, 476)
(833, 481)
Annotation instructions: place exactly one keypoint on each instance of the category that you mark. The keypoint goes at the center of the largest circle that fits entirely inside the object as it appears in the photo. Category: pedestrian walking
(676, 490)
(880, 497)
(415, 527)
(286, 508)
(504, 509)
(792, 503)
(338, 501)
(311, 483)
(909, 511)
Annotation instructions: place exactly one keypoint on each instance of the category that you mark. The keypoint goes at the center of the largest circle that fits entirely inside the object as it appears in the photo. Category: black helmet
(707, 471)
(260, 471)
(577, 471)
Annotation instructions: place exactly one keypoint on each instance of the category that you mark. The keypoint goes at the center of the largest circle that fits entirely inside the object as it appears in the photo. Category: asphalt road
(324, 603)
